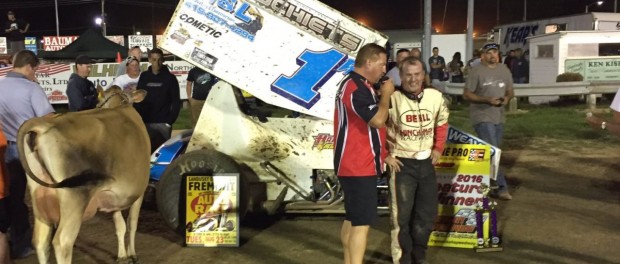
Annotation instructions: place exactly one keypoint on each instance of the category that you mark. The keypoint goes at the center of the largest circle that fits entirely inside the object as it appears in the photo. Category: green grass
(184, 121)
(558, 123)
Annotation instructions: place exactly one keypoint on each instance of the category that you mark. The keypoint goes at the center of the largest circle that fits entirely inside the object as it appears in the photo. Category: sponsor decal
(323, 141)
(57, 95)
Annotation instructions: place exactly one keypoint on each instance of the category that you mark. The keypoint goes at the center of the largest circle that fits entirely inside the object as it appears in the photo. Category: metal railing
(590, 89)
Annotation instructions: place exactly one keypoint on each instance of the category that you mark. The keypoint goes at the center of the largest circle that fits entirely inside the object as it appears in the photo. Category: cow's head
(115, 97)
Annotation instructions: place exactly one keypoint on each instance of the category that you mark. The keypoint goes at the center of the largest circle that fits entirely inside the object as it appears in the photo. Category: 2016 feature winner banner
(460, 172)
(287, 53)
(54, 78)
(211, 210)
(458, 136)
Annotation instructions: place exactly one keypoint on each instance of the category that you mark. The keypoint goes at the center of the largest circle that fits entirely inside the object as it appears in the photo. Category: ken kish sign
(54, 43)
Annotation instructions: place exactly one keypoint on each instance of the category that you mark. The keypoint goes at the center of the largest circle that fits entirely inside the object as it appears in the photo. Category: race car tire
(199, 162)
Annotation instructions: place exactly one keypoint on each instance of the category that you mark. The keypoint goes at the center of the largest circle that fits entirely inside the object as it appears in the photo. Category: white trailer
(590, 53)
(514, 35)
(448, 44)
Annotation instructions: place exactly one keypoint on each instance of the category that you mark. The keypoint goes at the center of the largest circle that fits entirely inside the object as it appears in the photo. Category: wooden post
(591, 101)
(512, 105)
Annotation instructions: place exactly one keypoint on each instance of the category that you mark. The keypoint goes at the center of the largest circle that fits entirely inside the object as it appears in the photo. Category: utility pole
(524, 10)
(103, 18)
(497, 12)
(469, 45)
(57, 27)
(426, 41)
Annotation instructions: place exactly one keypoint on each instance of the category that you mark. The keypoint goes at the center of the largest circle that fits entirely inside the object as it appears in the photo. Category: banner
(3, 46)
(31, 44)
(54, 43)
(145, 42)
(119, 39)
(211, 210)
(457, 136)
(596, 69)
(291, 55)
(460, 172)
(54, 78)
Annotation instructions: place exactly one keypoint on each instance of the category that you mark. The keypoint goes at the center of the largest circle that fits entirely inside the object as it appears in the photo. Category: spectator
(472, 63)
(401, 54)
(21, 99)
(612, 125)
(81, 91)
(438, 65)
(413, 184)
(455, 68)
(520, 67)
(199, 84)
(134, 52)
(4, 214)
(160, 108)
(415, 52)
(359, 133)
(129, 81)
(509, 57)
(15, 30)
(489, 89)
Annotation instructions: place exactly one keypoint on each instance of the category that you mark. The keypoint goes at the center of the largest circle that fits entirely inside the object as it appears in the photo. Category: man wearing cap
(15, 30)
(81, 92)
(489, 89)
(129, 81)
(21, 99)
(134, 52)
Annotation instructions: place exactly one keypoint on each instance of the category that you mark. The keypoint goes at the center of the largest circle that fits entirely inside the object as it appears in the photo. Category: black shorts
(4, 215)
(360, 199)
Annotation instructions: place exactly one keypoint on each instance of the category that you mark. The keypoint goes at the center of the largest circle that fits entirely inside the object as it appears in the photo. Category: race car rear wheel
(199, 162)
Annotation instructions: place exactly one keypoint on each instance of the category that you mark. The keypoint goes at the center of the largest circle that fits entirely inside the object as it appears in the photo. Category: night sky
(151, 17)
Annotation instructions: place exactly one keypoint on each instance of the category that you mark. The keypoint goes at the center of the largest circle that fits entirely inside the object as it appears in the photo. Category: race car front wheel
(200, 162)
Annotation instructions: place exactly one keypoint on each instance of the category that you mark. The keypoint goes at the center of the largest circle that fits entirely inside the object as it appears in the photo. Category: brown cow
(82, 162)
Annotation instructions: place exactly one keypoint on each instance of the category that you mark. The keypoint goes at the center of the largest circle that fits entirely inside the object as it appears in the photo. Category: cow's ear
(138, 95)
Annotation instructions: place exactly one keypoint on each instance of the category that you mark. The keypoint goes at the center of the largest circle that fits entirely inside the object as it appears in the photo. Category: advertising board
(53, 78)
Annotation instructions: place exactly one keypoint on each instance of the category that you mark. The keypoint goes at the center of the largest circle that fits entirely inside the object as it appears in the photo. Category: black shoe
(23, 253)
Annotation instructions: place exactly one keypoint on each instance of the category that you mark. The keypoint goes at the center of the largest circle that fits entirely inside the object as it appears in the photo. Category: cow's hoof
(134, 260)
(128, 260)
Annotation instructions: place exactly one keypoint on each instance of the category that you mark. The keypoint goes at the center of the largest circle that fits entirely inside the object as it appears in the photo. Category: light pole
(57, 27)
(598, 3)
(103, 29)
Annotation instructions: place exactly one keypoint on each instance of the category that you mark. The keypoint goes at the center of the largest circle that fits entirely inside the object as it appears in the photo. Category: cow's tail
(27, 138)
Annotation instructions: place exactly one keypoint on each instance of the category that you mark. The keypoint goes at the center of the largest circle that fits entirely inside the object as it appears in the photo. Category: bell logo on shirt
(415, 119)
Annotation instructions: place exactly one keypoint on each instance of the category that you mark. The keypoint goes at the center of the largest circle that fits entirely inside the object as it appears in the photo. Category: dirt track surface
(566, 209)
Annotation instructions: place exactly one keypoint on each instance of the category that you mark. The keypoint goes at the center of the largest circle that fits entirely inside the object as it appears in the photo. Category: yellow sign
(211, 210)
(460, 172)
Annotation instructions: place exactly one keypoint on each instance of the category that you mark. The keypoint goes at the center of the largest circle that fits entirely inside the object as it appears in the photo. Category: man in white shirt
(129, 80)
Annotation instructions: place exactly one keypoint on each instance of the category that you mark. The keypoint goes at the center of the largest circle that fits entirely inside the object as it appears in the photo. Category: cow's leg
(42, 238)
(71, 213)
(121, 228)
(134, 214)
